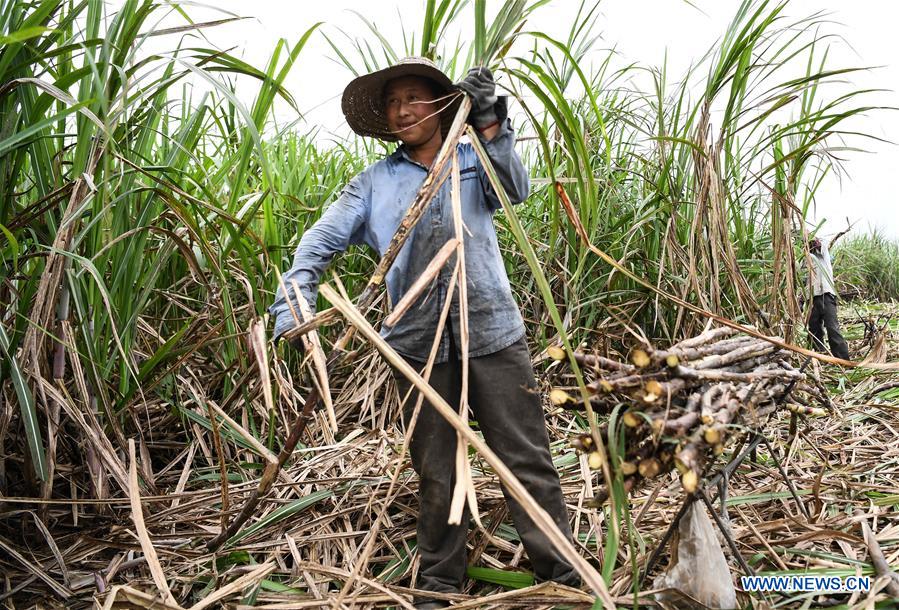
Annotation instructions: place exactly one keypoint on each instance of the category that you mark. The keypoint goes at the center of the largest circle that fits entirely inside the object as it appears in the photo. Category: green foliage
(702, 207)
(288, 510)
(504, 578)
(868, 264)
(26, 406)
(158, 211)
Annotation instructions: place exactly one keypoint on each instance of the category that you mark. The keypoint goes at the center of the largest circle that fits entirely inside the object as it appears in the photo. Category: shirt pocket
(471, 190)
(468, 173)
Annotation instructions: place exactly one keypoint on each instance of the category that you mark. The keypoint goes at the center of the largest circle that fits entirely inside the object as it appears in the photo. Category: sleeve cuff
(283, 323)
(505, 131)
(284, 318)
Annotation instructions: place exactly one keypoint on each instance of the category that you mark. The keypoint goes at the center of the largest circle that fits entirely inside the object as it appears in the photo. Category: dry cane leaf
(464, 489)
(124, 596)
(423, 281)
(513, 485)
(143, 536)
(260, 351)
(233, 587)
(314, 347)
(878, 353)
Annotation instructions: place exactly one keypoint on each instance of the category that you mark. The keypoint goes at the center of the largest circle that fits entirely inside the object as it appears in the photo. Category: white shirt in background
(822, 272)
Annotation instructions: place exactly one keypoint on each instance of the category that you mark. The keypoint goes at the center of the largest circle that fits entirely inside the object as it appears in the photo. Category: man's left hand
(481, 88)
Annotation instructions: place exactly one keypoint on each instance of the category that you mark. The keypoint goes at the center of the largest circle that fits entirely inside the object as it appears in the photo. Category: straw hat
(363, 108)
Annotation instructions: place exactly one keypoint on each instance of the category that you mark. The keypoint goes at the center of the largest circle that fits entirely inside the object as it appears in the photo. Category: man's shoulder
(386, 165)
(373, 172)
(381, 163)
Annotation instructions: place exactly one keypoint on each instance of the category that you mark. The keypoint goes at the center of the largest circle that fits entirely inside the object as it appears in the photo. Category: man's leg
(441, 547)
(838, 345)
(508, 410)
(815, 323)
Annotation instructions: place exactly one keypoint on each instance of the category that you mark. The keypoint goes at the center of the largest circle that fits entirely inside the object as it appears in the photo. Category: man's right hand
(295, 344)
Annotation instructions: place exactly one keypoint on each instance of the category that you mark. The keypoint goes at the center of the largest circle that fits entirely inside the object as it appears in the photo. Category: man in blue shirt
(414, 102)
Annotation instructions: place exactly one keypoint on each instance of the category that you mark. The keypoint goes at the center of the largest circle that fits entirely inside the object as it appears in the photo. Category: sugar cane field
(154, 451)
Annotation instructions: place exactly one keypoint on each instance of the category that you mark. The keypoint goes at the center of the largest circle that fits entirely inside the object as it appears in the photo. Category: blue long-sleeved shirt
(369, 211)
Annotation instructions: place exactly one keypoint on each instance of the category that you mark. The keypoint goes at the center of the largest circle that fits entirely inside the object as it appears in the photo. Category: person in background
(824, 302)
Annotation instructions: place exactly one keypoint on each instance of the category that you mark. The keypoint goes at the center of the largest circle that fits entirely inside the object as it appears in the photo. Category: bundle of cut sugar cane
(684, 403)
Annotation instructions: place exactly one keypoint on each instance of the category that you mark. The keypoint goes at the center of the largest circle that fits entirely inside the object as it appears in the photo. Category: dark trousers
(503, 398)
(824, 315)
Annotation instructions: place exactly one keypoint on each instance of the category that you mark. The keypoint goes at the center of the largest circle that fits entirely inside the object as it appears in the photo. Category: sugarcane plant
(143, 221)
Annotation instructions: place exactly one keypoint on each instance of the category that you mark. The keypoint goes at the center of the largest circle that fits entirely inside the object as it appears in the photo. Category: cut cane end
(559, 397)
(640, 358)
(556, 353)
(631, 419)
(582, 442)
(649, 468)
(690, 481)
(713, 436)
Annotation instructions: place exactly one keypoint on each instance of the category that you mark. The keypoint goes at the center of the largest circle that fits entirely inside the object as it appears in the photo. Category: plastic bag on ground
(698, 567)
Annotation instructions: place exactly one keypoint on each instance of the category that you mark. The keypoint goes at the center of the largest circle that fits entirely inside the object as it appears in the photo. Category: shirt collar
(402, 154)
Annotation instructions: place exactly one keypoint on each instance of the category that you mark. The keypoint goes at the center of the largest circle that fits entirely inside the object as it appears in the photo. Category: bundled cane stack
(684, 403)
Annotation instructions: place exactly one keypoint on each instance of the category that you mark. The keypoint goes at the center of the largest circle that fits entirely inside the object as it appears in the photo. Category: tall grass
(141, 222)
(702, 207)
(868, 265)
(130, 215)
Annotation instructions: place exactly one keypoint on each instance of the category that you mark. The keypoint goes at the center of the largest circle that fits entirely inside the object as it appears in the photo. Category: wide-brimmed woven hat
(362, 99)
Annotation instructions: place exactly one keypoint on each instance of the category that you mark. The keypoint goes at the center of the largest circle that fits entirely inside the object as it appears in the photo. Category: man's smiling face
(411, 112)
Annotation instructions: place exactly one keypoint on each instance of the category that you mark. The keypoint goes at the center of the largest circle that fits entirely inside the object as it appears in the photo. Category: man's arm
(489, 116)
(340, 225)
(838, 236)
(500, 148)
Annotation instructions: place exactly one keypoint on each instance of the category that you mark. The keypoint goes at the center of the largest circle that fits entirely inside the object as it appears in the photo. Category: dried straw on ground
(300, 549)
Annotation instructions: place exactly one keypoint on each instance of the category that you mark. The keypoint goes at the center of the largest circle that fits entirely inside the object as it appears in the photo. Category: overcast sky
(642, 31)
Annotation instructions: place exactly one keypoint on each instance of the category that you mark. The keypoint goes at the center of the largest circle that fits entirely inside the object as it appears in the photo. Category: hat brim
(363, 107)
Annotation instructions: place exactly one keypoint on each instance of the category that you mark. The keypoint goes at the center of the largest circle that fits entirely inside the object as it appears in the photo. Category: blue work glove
(486, 108)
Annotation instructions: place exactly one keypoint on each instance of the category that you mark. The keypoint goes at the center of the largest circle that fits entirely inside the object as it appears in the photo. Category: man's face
(411, 113)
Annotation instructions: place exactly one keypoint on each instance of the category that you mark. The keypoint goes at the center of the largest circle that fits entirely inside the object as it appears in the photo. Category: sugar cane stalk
(685, 402)
(536, 512)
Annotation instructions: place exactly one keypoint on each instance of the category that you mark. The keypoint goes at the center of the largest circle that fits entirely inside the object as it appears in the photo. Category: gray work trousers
(504, 401)
(824, 315)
